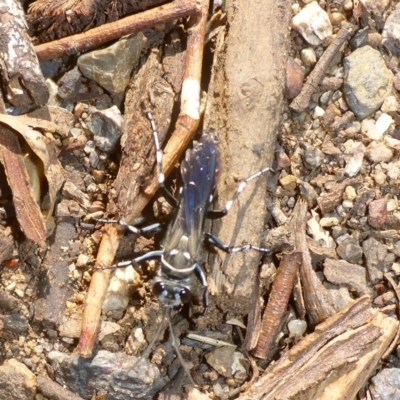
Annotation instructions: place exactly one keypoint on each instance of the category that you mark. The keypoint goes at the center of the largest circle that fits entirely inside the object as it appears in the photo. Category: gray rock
(17, 382)
(350, 250)
(14, 323)
(368, 81)
(391, 32)
(111, 67)
(386, 384)
(352, 276)
(69, 84)
(375, 253)
(116, 373)
(106, 126)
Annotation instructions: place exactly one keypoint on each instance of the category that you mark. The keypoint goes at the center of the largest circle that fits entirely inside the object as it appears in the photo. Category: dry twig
(301, 102)
(105, 33)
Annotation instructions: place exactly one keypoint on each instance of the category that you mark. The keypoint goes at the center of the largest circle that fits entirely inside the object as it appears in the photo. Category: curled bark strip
(185, 129)
(105, 33)
(277, 304)
(316, 298)
(301, 102)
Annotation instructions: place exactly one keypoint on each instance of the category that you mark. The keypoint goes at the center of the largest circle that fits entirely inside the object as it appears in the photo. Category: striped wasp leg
(150, 228)
(216, 214)
(203, 280)
(216, 242)
(148, 256)
(159, 157)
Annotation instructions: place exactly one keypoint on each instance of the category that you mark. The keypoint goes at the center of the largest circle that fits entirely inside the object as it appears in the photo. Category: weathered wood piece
(332, 363)
(19, 66)
(244, 107)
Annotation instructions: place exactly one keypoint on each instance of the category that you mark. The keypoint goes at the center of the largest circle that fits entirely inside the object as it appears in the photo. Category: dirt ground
(314, 315)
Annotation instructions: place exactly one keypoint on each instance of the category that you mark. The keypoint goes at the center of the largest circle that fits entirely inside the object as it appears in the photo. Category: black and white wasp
(179, 256)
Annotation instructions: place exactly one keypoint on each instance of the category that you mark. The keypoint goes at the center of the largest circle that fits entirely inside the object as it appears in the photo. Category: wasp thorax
(170, 294)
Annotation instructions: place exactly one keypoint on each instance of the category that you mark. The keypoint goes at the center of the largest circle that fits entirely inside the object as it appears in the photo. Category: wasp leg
(159, 157)
(148, 256)
(216, 242)
(150, 228)
(216, 214)
(203, 280)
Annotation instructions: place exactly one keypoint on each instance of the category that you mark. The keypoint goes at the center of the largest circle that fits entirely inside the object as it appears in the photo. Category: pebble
(349, 193)
(368, 81)
(379, 176)
(297, 327)
(379, 152)
(352, 276)
(314, 157)
(385, 384)
(360, 39)
(288, 182)
(354, 155)
(350, 250)
(392, 204)
(327, 222)
(377, 213)
(308, 56)
(82, 260)
(383, 123)
(375, 254)
(313, 23)
(374, 39)
(295, 74)
(390, 105)
(106, 127)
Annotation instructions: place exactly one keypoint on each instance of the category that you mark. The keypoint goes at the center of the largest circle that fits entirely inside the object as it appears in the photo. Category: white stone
(392, 205)
(313, 23)
(318, 112)
(349, 193)
(368, 128)
(327, 222)
(297, 327)
(354, 156)
(383, 123)
(308, 56)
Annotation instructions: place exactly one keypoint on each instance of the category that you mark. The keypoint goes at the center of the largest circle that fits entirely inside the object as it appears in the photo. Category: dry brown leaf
(45, 148)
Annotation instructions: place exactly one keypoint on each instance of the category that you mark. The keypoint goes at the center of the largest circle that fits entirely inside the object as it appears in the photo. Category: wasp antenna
(178, 352)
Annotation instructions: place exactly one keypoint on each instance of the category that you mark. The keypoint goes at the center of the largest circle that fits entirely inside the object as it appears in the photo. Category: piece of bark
(244, 107)
(277, 305)
(332, 363)
(54, 288)
(317, 300)
(151, 92)
(28, 212)
(20, 71)
(53, 390)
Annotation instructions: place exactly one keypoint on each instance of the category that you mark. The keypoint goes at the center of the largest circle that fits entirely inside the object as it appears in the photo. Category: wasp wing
(199, 171)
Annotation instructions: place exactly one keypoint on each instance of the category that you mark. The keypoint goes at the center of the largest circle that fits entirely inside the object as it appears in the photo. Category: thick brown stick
(277, 304)
(105, 33)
